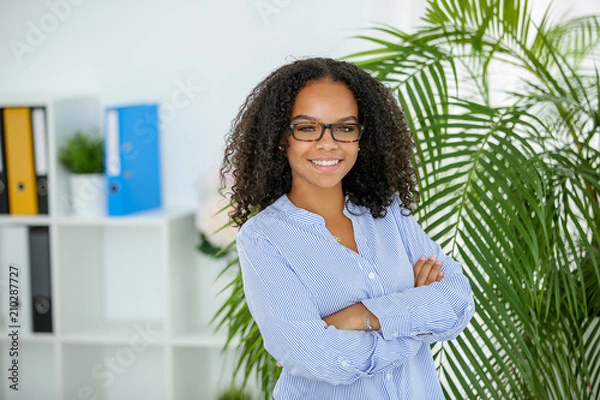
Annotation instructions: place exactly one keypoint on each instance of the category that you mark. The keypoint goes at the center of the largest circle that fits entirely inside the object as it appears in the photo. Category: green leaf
(83, 153)
(510, 187)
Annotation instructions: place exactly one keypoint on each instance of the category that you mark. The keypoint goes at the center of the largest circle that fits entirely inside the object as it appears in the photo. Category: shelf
(149, 218)
(132, 298)
(114, 372)
(201, 338)
(151, 333)
(37, 371)
(29, 220)
(28, 337)
(114, 279)
(206, 382)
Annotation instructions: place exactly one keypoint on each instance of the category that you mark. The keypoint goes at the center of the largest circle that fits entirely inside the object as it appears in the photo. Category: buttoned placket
(365, 262)
(365, 257)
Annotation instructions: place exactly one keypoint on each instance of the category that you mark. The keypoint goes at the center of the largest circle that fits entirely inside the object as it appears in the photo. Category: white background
(146, 50)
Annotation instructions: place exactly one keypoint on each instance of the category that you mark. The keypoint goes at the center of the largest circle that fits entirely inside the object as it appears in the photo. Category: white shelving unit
(131, 297)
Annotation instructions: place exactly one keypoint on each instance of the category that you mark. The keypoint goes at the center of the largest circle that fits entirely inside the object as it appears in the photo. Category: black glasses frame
(331, 128)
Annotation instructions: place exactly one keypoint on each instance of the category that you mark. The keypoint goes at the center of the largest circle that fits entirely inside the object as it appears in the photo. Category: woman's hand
(352, 318)
(427, 271)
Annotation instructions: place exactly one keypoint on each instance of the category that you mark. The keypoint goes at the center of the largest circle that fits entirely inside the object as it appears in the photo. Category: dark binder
(40, 153)
(3, 185)
(39, 260)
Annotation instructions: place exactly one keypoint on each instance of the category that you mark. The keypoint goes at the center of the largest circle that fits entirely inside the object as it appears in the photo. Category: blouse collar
(284, 204)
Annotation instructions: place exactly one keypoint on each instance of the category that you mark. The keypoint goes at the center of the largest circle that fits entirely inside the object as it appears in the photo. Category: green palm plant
(506, 117)
(510, 180)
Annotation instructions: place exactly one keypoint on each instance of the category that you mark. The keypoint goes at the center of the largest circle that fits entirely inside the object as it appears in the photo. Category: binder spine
(18, 143)
(3, 183)
(39, 258)
(14, 256)
(112, 153)
(40, 150)
(133, 159)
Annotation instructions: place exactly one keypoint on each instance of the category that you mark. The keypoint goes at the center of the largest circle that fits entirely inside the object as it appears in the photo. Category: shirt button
(345, 363)
(395, 334)
(371, 275)
(388, 376)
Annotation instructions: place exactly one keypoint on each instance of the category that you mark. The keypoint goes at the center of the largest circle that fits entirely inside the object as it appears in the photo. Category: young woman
(346, 288)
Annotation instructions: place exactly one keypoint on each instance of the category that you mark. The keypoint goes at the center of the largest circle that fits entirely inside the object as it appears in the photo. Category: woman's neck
(324, 202)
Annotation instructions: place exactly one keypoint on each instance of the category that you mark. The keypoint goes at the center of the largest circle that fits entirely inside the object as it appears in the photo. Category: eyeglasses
(313, 131)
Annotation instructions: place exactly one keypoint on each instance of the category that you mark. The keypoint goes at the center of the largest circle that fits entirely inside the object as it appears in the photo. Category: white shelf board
(34, 220)
(202, 338)
(147, 218)
(153, 334)
(29, 337)
(105, 339)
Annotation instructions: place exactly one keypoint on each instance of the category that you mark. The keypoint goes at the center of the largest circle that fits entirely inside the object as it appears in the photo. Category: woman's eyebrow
(308, 117)
(303, 116)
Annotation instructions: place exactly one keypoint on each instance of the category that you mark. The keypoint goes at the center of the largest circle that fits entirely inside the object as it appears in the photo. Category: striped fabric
(296, 273)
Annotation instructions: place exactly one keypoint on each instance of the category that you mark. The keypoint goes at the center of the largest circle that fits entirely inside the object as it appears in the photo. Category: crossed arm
(300, 339)
(426, 270)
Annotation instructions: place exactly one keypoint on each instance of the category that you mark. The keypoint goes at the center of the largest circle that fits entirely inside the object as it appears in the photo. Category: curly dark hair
(259, 170)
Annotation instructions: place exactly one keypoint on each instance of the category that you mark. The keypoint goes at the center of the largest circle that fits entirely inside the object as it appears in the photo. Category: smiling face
(318, 166)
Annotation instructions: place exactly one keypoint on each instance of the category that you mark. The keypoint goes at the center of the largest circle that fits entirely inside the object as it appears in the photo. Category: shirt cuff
(410, 313)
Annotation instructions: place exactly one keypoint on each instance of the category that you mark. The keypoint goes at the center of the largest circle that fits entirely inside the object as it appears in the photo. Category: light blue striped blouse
(296, 273)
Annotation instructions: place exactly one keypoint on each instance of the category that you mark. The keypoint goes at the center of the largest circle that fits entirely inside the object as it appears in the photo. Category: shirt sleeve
(436, 312)
(292, 329)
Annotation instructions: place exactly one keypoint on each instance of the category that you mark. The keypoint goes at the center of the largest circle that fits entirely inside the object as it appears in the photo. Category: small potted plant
(82, 154)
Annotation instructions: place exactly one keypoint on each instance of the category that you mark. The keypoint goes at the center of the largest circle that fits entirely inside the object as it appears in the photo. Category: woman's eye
(345, 128)
(306, 128)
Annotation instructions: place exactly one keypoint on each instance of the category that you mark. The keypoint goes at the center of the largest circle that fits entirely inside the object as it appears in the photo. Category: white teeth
(325, 163)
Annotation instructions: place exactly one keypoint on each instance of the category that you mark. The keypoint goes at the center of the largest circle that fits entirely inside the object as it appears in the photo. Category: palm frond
(509, 188)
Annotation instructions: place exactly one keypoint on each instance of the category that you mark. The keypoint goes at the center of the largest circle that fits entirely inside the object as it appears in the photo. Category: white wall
(132, 50)
(136, 50)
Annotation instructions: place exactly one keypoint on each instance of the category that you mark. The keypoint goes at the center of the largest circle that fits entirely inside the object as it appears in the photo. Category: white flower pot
(88, 194)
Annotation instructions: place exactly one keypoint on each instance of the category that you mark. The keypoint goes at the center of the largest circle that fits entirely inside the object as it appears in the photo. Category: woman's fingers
(417, 268)
(434, 272)
(422, 269)
(440, 275)
(427, 271)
